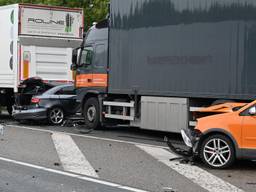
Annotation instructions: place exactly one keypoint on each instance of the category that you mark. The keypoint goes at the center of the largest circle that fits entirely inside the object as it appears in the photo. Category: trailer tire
(91, 113)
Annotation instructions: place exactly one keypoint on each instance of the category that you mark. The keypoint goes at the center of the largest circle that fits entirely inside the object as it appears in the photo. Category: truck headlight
(186, 139)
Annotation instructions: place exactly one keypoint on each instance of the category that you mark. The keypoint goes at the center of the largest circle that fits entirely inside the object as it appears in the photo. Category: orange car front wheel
(217, 151)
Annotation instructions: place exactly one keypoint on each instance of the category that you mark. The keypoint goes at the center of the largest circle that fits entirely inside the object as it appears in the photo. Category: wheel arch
(223, 132)
(56, 106)
(88, 95)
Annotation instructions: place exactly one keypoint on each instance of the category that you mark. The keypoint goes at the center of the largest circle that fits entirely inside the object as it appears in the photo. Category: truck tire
(217, 151)
(92, 113)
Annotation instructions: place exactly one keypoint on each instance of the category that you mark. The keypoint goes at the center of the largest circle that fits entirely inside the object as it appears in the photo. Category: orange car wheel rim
(216, 152)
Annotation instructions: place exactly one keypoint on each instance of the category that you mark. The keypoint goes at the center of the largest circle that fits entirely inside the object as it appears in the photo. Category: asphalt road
(43, 158)
(20, 178)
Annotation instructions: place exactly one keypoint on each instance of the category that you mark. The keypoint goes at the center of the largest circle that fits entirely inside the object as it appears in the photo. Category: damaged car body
(29, 88)
(42, 101)
(219, 139)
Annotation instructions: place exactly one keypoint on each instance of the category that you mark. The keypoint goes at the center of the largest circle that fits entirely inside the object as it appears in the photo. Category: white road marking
(86, 136)
(197, 175)
(71, 157)
(1, 129)
(84, 178)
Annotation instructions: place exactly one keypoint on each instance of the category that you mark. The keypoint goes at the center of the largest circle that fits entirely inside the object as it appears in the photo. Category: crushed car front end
(191, 138)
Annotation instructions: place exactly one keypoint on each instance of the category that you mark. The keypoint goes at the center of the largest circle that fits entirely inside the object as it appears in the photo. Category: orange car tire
(217, 151)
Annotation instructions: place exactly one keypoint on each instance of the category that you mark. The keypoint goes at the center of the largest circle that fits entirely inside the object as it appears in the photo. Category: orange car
(220, 139)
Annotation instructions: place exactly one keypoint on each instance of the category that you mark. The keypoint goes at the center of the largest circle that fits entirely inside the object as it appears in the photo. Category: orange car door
(249, 130)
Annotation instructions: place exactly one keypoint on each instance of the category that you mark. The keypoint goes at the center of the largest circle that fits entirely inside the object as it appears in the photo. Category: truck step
(119, 110)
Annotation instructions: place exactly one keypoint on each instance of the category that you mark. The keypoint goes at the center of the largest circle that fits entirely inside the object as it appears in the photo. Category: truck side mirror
(74, 56)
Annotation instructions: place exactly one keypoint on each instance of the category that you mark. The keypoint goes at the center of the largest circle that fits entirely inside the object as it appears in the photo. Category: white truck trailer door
(8, 46)
(48, 63)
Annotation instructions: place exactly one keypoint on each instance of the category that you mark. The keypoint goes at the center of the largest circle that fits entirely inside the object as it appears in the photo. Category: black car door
(67, 97)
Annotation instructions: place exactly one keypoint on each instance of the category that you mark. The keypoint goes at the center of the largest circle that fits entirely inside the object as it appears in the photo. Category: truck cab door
(100, 65)
(84, 72)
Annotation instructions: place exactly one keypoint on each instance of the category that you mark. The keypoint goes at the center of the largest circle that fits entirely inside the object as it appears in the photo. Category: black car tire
(219, 155)
(56, 116)
(91, 113)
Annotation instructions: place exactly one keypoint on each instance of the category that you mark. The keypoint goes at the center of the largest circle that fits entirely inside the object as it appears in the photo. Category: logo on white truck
(47, 22)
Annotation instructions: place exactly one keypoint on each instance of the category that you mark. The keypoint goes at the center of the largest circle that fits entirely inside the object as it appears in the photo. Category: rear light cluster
(35, 100)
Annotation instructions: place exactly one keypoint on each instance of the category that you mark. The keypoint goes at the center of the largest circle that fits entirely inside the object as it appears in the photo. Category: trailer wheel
(92, 113)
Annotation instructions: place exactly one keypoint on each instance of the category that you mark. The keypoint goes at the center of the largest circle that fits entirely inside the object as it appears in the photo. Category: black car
(54, 105)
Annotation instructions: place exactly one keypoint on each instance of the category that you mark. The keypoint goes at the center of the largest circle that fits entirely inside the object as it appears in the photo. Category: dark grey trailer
(181, 48)
(165, 59)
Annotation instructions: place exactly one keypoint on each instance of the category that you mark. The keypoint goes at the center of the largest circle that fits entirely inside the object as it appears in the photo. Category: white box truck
(36, 41)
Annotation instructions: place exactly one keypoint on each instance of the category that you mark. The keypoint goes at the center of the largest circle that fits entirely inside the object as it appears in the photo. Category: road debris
(56, 164)
(169, 189)
(2, 128)
(69, 123)
(185, 156)
(251, 183)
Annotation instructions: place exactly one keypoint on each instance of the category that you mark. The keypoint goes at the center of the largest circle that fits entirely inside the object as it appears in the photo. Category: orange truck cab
(220, 139)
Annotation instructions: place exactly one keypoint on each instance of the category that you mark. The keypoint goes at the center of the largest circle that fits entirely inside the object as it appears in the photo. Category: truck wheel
(92, 113)
(56, 116)
(217, 151)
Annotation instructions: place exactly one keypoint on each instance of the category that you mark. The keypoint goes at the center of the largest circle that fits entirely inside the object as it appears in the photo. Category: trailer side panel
(183, 48)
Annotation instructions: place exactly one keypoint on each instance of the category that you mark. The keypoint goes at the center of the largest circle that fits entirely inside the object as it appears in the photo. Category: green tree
(94, 10)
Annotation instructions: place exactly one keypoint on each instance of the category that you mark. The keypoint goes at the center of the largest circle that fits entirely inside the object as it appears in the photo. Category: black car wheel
(217, 151)
(91, 113)
(56, 116)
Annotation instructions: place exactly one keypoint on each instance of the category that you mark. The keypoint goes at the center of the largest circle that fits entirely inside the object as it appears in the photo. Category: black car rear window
(66, 91)
(57, 89)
